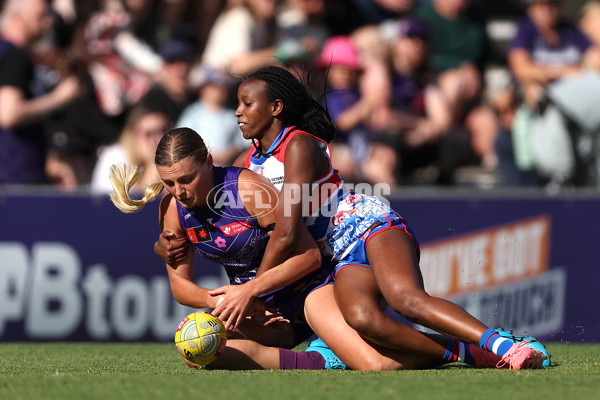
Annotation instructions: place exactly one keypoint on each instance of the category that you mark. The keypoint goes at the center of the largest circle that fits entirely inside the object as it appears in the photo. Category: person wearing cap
(350, 103)
(170, 91)
(210, 116)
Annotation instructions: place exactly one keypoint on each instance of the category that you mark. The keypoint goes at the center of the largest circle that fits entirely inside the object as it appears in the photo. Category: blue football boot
(331, 360)
(531, 342)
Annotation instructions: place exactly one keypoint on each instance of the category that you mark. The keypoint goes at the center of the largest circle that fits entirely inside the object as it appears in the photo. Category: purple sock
(289, 359)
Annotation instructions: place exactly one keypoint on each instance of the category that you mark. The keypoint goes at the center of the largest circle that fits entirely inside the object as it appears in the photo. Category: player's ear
(277, 108)
(209, 161)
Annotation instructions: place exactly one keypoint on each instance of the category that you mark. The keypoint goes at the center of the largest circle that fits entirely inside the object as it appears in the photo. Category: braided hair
(180, 143)
(300, 109)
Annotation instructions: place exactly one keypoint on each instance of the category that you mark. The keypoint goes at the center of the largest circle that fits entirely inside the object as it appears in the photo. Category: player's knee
(364, 319)
(411, 306)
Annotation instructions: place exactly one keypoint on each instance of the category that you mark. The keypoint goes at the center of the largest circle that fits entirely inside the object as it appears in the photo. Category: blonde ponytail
(122, 179)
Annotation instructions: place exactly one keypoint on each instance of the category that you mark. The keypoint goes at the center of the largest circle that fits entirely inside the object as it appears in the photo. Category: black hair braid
(300, 109)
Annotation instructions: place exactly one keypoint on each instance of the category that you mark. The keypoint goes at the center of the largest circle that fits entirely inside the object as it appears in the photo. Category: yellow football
(200, 338)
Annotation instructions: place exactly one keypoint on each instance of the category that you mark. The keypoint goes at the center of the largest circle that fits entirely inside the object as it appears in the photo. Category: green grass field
(118, 371)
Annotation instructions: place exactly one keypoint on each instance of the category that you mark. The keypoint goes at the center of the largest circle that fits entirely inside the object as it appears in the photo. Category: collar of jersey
(265, 156)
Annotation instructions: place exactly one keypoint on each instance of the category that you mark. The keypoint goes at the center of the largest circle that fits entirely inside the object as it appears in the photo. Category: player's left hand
(266, 316)
(235, 304)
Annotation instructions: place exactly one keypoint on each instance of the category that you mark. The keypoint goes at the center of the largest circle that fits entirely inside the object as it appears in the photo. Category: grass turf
(118, 371)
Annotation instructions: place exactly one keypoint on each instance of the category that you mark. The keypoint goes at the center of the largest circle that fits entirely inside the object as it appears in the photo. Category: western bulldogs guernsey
(228, 236)
(326, 188)
(339, 218)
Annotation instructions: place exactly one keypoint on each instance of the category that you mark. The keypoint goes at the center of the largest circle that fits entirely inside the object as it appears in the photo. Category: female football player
(374, 253)
(210, 207)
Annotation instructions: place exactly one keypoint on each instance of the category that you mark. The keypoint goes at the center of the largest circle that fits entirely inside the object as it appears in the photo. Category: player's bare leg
(394, 262)
(325, 318)
(358, 295)
(241, 354)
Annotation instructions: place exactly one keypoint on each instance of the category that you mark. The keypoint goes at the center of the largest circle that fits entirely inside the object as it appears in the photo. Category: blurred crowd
(418, 90)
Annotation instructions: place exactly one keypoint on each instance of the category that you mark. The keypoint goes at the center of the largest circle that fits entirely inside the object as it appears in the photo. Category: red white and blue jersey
(322, 205)
(336, 217)
(271, 163)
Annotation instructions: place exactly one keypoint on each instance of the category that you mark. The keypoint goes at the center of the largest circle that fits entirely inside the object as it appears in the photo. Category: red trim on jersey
(283, 147)
(279, 154)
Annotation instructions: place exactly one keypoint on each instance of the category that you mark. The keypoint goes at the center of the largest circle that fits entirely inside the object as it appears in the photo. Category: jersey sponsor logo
(198, 234)
(277, 180)
(235, 228)
(339, 217)
(352, 199)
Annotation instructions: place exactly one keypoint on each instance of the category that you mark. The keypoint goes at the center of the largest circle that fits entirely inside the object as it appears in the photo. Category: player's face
(254, 111)
(188, 181)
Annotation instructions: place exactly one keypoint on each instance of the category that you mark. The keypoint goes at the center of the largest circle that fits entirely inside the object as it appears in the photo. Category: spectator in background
(348, 106)
(501, 95)
(192, 18)
(170, 92)
(546, 49)
(23, 144)
(372, 45)
(147, 24)
(415, 133)
(301, 31)
(243, 37)
(121, 64)
(378, 11)
(589, 24)
(210, 117)
(136, 146)
(460, 50)
(76, 132)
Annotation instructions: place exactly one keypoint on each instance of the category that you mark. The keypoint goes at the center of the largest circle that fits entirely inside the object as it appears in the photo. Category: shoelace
(512, 355)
